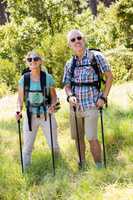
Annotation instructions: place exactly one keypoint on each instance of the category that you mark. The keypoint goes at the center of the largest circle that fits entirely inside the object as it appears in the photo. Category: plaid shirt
(86, 96)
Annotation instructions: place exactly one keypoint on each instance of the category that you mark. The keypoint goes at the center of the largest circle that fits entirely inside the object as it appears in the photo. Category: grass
(115, 182)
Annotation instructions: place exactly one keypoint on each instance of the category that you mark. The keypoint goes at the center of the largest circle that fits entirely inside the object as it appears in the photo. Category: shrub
(121, 61)
(124, 17)
(56, 53)
(8, 74)
(3, 89)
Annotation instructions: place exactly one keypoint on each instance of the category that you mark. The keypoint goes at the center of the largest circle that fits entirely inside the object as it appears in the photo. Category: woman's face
(34, 61)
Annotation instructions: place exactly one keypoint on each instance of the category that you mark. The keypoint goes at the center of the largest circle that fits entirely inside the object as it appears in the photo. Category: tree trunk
(107, 3)
(3, 14)
(93, 5)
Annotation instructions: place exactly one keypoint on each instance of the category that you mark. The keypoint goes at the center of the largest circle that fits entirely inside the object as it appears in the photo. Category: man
(82, 89)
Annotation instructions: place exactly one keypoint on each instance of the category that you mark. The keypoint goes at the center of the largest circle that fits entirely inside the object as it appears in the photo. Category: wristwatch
(104, 99)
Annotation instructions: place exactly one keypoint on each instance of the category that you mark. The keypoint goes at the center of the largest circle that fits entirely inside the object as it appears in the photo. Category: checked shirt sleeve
(103, 64)
(67, 73)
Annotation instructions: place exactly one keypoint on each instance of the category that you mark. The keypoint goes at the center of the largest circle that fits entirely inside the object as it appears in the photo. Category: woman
(36, 89)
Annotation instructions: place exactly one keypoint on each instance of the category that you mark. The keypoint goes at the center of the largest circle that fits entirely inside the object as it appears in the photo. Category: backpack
(43, 94)
(95, 65)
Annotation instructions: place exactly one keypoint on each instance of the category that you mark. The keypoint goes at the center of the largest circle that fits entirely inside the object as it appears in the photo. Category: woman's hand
(72, 100)
(51, 109)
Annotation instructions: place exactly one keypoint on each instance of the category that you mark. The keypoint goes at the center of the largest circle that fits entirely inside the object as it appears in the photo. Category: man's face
(76, 42)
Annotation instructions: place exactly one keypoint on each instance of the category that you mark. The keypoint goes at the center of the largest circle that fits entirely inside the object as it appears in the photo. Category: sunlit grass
(115, 182)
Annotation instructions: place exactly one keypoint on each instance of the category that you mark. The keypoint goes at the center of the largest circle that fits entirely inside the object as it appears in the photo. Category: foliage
(125, 19)
(8, 74)
(20, 44)
(3, 89)
(56, 53)
(102, 32)
(54, 15)
(8, 36)
(45, 30)
(121, 61)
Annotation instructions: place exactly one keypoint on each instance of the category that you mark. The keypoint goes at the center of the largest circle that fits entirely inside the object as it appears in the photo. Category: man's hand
(72, 100)
(100, 102)
(18, 115)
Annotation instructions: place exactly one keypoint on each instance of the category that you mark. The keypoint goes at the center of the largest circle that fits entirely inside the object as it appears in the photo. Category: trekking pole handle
(100, 109)
(74, 108)
(18, 112)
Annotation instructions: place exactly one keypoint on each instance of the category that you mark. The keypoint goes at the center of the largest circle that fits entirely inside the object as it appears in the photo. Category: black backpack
(44, 92)
(95, 66)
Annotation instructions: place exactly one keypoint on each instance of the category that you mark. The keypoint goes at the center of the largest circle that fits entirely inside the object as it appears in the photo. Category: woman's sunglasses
(33, 59)
(77, 38)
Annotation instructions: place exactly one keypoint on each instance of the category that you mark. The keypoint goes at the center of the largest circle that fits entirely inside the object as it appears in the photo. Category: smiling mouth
(33, 65)
(78, 45)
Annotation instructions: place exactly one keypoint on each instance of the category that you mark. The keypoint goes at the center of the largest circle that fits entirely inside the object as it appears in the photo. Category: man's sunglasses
(74, 39)
(33, 59)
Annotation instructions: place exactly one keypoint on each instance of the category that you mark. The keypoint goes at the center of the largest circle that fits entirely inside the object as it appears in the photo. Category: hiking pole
(77, 131)
(52, 148)
(20, 145)
(104, 153)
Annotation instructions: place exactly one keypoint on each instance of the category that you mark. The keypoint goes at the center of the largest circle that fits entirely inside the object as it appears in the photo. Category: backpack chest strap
(89, 84)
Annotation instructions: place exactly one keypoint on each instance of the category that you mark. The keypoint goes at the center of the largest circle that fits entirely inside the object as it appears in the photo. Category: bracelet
(68, 97)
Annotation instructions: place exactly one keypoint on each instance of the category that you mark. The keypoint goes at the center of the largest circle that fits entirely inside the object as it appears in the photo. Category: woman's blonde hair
(33, 53)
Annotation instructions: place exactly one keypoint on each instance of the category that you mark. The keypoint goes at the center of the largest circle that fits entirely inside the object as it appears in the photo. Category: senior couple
(81, 83)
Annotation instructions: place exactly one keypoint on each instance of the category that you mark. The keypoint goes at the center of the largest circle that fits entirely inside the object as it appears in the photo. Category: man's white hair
(74, 31)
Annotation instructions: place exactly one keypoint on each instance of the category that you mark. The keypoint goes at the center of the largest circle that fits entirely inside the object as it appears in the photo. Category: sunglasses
(33, 59)
(77, 38)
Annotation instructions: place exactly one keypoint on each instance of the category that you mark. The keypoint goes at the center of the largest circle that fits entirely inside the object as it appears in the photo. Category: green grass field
(113, 183)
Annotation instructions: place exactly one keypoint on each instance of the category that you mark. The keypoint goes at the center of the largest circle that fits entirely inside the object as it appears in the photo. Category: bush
(3, 89)
(8, 74)
(56, 53)
(125, 19)
(121, 61)
(103, 31)
(16, 40)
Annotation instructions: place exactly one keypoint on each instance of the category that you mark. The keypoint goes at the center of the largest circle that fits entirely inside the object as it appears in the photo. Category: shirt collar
(85, 54)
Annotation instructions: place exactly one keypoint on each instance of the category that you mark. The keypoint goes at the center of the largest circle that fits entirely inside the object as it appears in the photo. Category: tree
(93, 6)
(54, 15)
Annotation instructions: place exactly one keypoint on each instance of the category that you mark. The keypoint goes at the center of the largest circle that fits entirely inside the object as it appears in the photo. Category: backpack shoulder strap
(95, 66)
(25, 71)
(94, 63)
(26, 82)
(73, 65)
(43, 80)
(26, 90)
